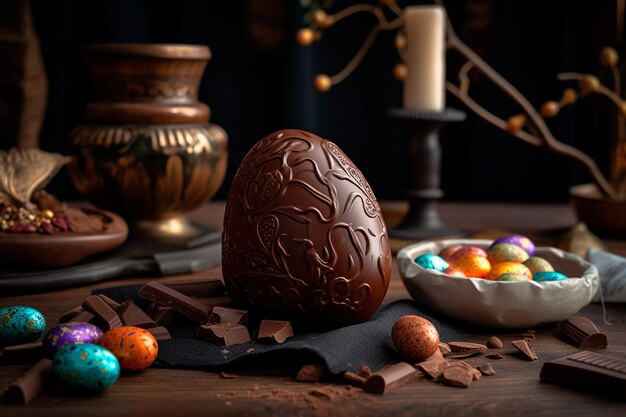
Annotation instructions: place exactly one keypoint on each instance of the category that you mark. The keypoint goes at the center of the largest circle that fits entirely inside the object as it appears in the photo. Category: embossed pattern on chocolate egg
(304, 236)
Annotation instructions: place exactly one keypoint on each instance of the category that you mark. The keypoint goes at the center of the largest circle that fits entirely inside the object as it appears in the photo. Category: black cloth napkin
(343, 349)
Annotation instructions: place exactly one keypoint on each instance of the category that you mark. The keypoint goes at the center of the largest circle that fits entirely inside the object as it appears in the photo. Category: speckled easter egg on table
(304, 237)
(20, 324)
(135, 348)
(415, 337)
(85, 368)
(519, 240)
(73, 332)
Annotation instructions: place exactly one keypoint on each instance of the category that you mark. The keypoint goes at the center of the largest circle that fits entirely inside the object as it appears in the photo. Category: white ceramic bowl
(511, 304)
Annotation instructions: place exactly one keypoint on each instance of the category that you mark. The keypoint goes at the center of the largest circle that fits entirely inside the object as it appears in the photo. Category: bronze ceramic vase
(147, 150)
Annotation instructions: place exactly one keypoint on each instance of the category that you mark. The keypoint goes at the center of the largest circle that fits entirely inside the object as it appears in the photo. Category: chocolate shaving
(228, 315)
(354, 377)
(444, 348)
(495, 356)
(463, 355)
(526, 349)
(494, 343)
(160, 294)
(30, 384)
(365, 371)
(529, 336)
(274, 331)
(224, 334)
(105, 317)
(466, 347)
(226, 375)
(312, 372)
(486, 369)
(582, 333)
(389, 377)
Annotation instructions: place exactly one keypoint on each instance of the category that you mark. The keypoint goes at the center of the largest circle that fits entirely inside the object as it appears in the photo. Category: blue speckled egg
(85, 368)
(431, 261)
(68, 334)
(549, 276)
(519, 240)
(20, 324)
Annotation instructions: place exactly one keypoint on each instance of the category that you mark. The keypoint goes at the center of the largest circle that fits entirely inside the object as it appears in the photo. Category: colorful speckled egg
(454, 272)
(519, 240)
(85, 368)
(512, 277)
(508, 268)
(506, 252)
(549, 276)
(70, 333)
(415, 337)
(537, 264)
(447, 252)
(134, 347)
(473, 265)
(431, 261)
(20, 324)
(466, 250)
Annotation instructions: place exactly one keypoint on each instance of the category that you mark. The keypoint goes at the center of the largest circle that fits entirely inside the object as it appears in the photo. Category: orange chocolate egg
(472, 265)
(508, 268)
(415, 337)
(134, 348)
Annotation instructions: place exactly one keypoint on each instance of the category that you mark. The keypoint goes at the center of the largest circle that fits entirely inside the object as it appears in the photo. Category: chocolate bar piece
(158, 293)
(30, 384)
(132, 315)
(354, 377)
(105, 317)
(456, 376)
(228, 315)
(274, 331)
(526, 349)
(486, 369)
(30, 352)
(466, 347)
(76, 314)
(588, 371)
(159, 333)
(389, 377)
(196, 286)
(582, 333)
(161, 315)
(112, 303)
(224, 334)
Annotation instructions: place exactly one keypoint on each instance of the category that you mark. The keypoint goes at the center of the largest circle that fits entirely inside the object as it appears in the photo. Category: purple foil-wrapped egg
(519, 240)
(69, 334)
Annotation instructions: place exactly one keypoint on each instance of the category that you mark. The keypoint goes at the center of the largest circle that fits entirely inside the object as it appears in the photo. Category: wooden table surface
(270, 389)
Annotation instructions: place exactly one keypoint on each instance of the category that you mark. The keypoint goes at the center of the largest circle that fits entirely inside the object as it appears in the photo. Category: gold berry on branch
(549, 109)
(400, 71)
(322, 83)
(515, 123)
(305, 37)
(569, 97)
(589, 83)
(608, 56)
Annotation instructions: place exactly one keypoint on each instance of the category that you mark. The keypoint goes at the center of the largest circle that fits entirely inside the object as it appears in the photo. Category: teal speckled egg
(431, 261)
(549, 276)
(85, 368)
(20, 324)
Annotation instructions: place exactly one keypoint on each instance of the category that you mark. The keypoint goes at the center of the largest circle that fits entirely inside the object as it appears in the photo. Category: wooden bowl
(600, 213)
(38, 251)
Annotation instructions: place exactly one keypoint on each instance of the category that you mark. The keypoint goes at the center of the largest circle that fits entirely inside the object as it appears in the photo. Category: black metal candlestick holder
(424, 159)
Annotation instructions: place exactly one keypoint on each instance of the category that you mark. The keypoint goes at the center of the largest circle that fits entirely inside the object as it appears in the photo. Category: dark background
(259, 81)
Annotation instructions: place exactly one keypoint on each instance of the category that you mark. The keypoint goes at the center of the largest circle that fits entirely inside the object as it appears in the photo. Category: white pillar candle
(424, 86)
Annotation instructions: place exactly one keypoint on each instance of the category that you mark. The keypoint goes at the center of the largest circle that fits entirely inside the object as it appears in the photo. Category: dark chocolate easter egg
(304, 237)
